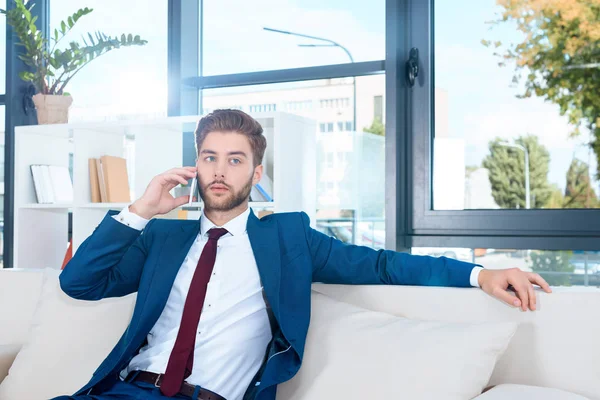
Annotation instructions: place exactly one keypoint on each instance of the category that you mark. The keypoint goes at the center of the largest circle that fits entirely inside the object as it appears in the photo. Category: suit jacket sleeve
(108, 263)
(340, 263)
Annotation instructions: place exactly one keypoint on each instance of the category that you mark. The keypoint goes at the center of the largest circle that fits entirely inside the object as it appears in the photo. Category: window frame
(186, 20)
(519, 229)
(14, 99)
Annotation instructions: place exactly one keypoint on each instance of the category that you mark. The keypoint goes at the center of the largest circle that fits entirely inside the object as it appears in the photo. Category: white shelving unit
(150, 147)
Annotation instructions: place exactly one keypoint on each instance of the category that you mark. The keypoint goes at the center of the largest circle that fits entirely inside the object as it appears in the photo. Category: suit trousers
(126, 391)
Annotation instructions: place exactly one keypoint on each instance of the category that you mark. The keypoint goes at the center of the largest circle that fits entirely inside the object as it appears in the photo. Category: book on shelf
(52, 184)
(94, 182)
(109, 182)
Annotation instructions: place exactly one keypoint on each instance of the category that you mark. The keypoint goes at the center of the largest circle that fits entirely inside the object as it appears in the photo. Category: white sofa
(51, 344)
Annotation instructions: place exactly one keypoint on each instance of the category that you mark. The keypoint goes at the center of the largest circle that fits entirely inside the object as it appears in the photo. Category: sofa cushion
(68, 340)
(523, 392)
(19, 295)
(354, 353)
(555, 346)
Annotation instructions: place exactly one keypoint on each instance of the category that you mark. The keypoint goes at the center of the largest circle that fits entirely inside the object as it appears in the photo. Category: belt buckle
(158, 380)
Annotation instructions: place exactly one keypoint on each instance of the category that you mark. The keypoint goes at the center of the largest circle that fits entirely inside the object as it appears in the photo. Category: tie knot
(216, 233)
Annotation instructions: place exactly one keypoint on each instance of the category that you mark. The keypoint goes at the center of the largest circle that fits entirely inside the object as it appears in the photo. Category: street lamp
(330, 43)
(518, 146)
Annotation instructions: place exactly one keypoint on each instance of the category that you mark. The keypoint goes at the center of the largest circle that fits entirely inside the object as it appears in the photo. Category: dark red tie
(181, 360)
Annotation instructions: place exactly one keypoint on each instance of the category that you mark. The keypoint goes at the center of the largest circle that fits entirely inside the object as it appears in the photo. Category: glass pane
(347, 161)
(484, 127)
(130, 82)
(558, 268)
(234, 38)
(3, 51)
(2, 121)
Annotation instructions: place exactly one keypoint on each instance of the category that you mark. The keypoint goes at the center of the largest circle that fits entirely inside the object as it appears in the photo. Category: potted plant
(51, 68)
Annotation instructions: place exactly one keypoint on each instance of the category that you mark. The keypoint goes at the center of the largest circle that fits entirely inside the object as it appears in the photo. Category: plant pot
(52, 109)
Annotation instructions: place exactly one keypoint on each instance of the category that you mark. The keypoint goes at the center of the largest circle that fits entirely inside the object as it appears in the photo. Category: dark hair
(236, 121)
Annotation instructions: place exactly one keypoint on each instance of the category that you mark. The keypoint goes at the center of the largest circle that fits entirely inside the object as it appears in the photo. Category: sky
(482, 103)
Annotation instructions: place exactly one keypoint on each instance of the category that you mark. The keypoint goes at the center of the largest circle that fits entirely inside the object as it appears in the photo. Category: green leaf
(27, 76)
(55, 35)
(70, 21)
(129, 38)
(63, 27)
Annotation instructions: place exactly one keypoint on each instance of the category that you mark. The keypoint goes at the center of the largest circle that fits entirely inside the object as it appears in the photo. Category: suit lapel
(264, 239)
(176, 246)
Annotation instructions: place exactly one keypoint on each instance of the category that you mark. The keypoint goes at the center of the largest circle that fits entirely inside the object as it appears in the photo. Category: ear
(258, 171)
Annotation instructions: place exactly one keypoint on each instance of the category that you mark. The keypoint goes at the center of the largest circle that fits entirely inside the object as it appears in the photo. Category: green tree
(558, 56)
(556, 199)
(377, 127)
(579, 192)
(553, 261)
(506, 166)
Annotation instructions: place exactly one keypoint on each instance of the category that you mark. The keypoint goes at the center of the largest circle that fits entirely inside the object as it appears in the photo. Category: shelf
(35, 206)
(104, 205)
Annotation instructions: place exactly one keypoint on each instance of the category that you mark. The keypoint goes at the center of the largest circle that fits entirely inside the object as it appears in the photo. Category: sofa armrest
(8, 353)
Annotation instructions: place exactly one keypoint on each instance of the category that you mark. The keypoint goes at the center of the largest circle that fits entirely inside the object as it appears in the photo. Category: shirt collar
(236, 226)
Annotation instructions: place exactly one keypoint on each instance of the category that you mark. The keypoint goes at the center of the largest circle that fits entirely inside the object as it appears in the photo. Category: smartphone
(193, 190)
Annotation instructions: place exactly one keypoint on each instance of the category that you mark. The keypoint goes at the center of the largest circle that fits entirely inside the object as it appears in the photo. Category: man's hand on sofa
(497, 282)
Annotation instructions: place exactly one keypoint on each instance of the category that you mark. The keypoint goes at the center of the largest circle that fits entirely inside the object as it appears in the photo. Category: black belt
(186, 388)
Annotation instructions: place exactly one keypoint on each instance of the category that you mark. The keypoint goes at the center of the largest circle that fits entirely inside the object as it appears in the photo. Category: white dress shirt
(234, 328)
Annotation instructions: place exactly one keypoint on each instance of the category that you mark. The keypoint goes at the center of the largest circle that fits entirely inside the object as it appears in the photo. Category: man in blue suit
(223, 303)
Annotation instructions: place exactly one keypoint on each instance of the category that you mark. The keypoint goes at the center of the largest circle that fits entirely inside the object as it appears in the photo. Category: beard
(227, 201)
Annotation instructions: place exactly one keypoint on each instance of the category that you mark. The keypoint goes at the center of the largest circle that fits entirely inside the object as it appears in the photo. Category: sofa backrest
(19, 294)
(557, 346)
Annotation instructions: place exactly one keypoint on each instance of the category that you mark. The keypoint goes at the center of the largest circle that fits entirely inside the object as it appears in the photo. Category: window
(472, 127)
(484, 132)
(298, 105)
(558, 268)
(2, 125)
(3, 50)
(335, 103)
(234, 39)
(349, 126)
(122, 83)
(350, 186)
(257, 108)
(2, 138)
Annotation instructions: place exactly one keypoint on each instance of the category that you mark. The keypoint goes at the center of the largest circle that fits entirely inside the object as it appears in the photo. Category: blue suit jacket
(117, 260)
